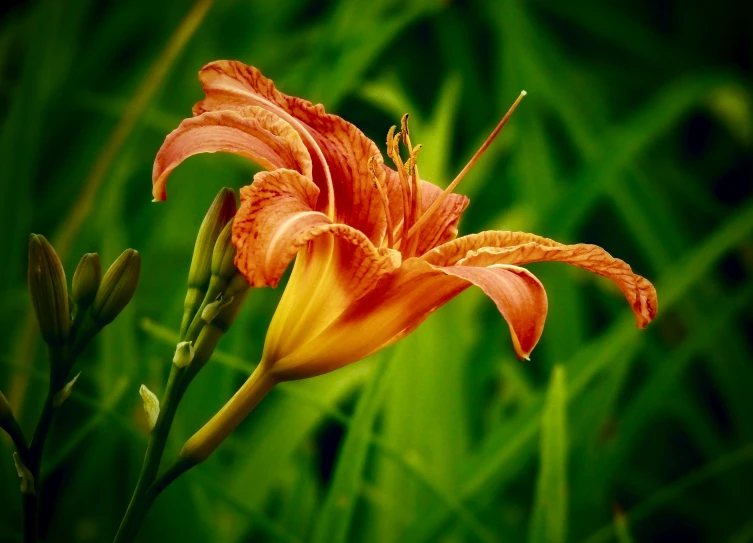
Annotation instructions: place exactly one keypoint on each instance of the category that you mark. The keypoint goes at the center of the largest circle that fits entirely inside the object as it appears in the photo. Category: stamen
(426, 216)
(406, 134)
(390, 140)
(412, 167)
(385, 202)
(393, 151)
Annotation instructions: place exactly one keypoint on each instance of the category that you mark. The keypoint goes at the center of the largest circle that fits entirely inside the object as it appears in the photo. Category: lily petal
(273, 223)
(442, 227)
(252, 132)
(405, 298)
(340, 150)
(519, 296)
(520, 248)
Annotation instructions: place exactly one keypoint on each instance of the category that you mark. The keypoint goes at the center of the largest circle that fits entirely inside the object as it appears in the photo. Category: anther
(406, 134)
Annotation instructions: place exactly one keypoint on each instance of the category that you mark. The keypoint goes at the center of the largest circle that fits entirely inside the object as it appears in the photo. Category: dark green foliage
(636, 134)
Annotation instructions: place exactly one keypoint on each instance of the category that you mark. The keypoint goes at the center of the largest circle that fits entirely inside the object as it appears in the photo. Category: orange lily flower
(375, 248)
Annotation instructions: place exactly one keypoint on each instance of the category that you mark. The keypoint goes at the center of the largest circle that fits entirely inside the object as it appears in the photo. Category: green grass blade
(513, 443)
(336, 514)
(549, 519)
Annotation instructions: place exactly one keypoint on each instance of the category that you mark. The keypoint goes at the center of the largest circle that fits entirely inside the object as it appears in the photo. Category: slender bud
(86, 280)
(183, 354)
(223, 255)
(151, 405)
(27, 479)
(220, 213)
(49, 293)
(226, 278)
(65, 392)
(117, 288)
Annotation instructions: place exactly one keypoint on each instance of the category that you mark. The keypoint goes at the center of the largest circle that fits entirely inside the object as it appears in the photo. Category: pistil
(429, 212)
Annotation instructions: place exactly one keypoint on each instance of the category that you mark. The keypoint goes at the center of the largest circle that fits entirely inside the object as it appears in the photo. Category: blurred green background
(636, 135)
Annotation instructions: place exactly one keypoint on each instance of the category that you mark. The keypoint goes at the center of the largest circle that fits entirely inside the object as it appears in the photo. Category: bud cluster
(68, 322)
(216, 289)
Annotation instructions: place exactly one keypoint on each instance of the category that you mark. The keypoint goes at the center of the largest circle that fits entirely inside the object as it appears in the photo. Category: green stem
(30, 517)
(33, 457)
(10, 425)
(178, 468)
(142, 499)
(40, 434)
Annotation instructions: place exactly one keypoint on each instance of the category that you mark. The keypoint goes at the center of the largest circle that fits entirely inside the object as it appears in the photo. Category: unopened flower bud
(49, 293)
(183, 354)
(65, 392)
(86, 280)
(225, 276)
(151, 405)
(223, 256)
(220, 213)
(117, 288)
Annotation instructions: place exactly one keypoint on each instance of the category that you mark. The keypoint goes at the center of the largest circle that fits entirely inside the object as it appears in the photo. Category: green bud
(117, 288)
(183, 354)
(210, 311)
(86, 280)
(225, 276)
(151, 405)
(223, 256)
(49, 293)
(220, 213)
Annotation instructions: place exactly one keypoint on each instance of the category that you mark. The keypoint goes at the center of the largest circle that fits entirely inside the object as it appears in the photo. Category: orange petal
(274, 222)
(442, 227)
(340, 151)
(403, 299)
(451, 253)
(251, 132)
(519, 248)
(338, 266)
(519, 296)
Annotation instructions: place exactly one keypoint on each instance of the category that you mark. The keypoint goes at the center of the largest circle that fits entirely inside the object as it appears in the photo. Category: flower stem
(32, 457)
(143, 498)
(30, 518)
(12, 428)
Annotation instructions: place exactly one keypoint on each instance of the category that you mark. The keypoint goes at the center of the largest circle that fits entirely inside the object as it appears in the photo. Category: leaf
(511, 444)
(549, 519)
(336, 514)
